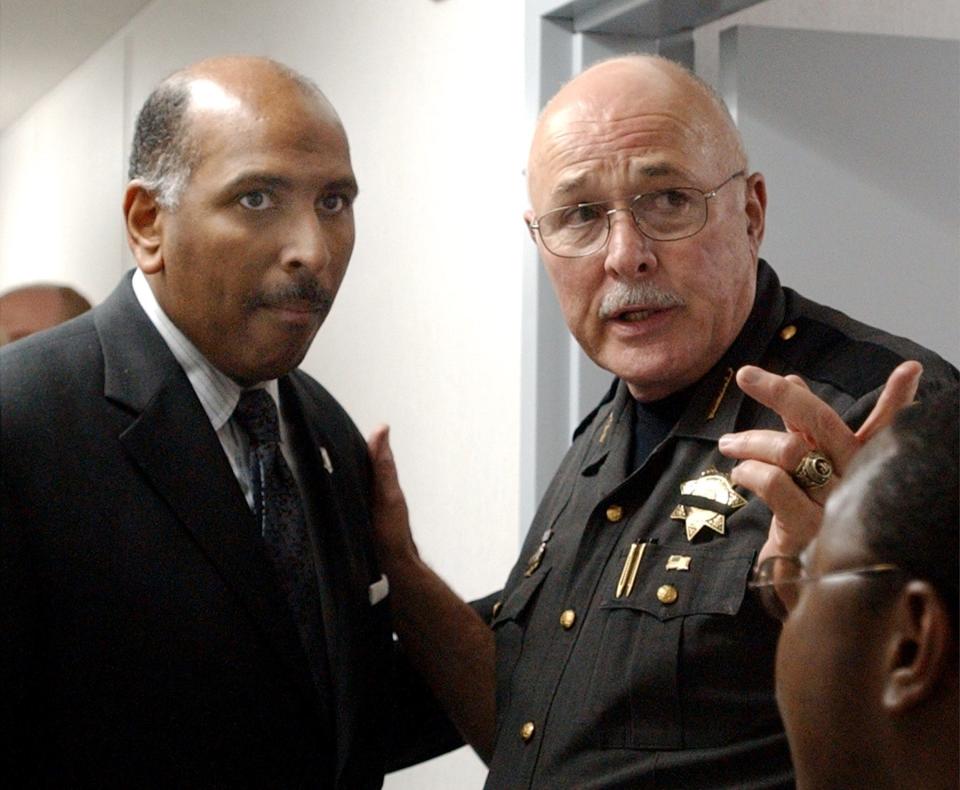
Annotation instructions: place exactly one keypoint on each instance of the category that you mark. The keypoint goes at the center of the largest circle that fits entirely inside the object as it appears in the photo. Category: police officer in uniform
(629, 652)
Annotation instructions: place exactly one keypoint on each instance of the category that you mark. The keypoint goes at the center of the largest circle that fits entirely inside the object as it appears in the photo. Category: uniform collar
(714, 407)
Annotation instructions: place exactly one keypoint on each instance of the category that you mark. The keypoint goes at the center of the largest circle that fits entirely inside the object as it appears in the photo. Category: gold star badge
(706, 502)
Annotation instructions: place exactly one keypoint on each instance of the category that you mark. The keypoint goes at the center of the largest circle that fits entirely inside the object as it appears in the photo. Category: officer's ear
(921, 648)
(755, 209)
(144, 227)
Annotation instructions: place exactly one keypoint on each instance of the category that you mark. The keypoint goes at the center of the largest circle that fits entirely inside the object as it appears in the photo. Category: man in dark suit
(184, 601)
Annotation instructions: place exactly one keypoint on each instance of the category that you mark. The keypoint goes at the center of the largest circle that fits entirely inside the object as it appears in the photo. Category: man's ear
(528, 218)
(920, 648)
(756, 209)
(143, 219)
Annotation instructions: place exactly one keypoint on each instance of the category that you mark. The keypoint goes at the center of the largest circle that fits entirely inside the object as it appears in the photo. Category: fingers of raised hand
(899, 391)
(798, 508)
(778, 454)
(781, 448)
(803, 412)
(793, 378)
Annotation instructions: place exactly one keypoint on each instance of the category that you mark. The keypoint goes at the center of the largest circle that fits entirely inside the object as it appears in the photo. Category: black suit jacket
(145, 641)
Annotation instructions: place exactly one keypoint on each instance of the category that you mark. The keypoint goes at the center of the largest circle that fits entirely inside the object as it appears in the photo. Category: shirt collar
(217, 392)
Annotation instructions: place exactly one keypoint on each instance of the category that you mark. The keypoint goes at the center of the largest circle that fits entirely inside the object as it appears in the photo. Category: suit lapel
(343, 578)
(171, 440)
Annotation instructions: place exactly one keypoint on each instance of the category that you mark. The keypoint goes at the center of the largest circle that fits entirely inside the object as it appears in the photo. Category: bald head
(659, 299)
(32, 308)
(165, 146)
(640, 84)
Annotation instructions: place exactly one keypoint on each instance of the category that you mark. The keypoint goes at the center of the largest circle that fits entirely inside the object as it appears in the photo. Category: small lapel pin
(678, 562)
(379, 589)
(326, 460)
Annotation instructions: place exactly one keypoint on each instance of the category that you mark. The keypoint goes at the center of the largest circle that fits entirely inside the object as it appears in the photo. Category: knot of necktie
(257, 415)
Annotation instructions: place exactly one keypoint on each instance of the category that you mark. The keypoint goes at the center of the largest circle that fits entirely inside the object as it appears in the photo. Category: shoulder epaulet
(585, 423)
(824, 353)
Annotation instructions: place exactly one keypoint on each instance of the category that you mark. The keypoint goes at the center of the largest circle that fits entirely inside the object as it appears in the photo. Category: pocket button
(667, 594)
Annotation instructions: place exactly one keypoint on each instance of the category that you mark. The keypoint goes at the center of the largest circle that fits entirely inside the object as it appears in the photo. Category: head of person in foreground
(867, 669)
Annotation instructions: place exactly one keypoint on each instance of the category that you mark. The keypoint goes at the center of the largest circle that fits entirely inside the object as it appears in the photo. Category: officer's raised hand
(794, 470)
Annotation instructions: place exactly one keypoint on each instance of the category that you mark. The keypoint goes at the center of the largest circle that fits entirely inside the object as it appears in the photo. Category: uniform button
(787, 332)
(667, 594)
(526, 731)
(568, 618)
(496, 608)
(614, 513)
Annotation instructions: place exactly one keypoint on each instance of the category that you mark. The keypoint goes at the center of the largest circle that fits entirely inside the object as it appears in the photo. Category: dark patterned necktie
(279, 511)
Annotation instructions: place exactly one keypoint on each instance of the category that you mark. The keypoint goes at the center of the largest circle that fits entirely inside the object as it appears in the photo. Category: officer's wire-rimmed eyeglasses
(777, 581)
(664, 215)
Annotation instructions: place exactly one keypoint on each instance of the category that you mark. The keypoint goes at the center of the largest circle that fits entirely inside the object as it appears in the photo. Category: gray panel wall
(859, 138)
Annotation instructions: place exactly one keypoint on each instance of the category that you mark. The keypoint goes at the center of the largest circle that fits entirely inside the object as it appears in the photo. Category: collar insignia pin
(326, 460)
(605, 429)
(706, 502)
(537, 557)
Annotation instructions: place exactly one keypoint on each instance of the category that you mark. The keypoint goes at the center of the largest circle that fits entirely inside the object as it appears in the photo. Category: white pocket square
(379, 589)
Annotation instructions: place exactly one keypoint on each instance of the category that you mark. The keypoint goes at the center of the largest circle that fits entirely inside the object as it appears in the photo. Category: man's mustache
(307, 293)
(643, 294)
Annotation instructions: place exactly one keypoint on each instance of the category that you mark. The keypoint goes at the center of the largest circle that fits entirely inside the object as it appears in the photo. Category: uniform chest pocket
(509, 625)
(650, 638)
(672, 582)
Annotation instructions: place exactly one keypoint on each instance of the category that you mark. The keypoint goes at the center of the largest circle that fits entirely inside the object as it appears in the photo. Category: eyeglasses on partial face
(777, 581)
(665, 215)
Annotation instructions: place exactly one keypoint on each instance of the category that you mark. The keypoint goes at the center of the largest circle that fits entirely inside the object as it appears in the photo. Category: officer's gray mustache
(644, 295)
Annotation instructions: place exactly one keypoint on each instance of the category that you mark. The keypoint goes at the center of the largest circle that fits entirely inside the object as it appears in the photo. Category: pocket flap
(678, 581)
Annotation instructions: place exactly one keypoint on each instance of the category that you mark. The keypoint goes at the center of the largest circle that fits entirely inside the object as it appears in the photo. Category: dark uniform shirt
(666, 682)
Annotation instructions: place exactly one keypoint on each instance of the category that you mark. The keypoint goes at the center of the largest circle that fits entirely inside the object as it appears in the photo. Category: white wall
(61, 169)
(425, 333)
